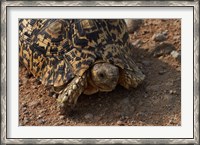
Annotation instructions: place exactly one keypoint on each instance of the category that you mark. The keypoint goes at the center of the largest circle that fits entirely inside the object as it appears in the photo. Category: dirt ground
(156, 102)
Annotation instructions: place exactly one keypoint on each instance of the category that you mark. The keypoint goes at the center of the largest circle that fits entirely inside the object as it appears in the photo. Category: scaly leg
(68, 97)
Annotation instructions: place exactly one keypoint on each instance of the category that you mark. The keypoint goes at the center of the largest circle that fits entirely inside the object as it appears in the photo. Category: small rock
(163, 49)
(62, 117)
(55, 95)
(34, 104)
(171, 92)
(176, 55)
(160, 36)
(39, 117)
(41, 121)
(176, 37)
(34, 87)
(88, 116)
(120, 123)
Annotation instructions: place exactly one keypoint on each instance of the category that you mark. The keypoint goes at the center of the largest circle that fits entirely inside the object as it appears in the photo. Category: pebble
(159, 37)
(34, 87)
(62, 117)
(163, 49)
(120, 123)
(55, 95)
(172, 92)
(41, 121)
(88, 116)
(176, 55)
(176, 37)
(34, 104)
(39, 117)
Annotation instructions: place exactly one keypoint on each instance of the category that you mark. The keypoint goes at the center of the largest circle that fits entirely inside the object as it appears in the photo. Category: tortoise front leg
(68, 97)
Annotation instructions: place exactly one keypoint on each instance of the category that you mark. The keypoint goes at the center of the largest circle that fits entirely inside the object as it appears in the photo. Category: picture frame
(5, 5)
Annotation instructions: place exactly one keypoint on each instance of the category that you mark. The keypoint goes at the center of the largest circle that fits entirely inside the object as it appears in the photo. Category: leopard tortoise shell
(78, 55)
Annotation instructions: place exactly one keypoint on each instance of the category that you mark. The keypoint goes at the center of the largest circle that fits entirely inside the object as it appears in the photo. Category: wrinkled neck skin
(103, 77)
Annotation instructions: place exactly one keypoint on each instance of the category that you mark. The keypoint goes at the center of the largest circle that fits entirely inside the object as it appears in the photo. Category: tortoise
(77, 56)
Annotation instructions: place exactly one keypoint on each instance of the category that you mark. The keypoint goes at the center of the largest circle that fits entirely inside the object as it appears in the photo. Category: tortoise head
(102, 77)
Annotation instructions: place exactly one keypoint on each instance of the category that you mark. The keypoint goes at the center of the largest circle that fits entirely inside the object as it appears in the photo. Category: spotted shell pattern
(57, 50)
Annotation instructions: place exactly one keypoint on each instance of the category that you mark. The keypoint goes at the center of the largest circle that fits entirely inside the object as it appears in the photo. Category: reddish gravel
(156, 102)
